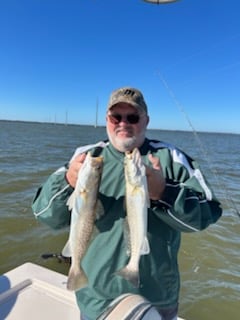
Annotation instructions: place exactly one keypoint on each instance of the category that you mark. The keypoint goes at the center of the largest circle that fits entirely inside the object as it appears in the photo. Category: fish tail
(76, 279)
(130, 275)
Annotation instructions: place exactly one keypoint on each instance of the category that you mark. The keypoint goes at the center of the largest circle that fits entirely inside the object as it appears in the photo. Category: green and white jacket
(188, 204)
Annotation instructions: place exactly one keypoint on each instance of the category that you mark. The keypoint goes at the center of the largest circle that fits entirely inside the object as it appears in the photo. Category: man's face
(126, 127)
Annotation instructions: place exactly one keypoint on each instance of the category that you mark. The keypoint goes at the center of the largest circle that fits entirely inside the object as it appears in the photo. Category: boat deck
(32, 292)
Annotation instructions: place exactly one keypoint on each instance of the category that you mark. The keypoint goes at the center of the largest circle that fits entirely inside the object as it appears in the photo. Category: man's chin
(126, 144)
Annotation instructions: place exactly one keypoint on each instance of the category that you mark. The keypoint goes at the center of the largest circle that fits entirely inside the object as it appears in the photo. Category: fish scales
(85, 206)
(137, 203)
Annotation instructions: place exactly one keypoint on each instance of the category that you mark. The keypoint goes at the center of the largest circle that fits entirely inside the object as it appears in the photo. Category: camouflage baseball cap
(128, 95)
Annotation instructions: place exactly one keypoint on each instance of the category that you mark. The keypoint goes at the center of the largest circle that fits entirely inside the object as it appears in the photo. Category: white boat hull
(32, 292)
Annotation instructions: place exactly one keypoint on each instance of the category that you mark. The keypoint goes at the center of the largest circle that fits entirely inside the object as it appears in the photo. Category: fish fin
(130, 275)
(135, 190)
(99, 209)
(145, 249)
(66, 251)
(71, 200)
(76, 280)
(148, 203)
(147, 199)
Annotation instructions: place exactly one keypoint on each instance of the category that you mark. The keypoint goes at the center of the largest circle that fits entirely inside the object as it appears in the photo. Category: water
(209, 260)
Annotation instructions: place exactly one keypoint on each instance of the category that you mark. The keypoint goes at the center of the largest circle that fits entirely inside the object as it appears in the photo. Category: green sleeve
(188, 203)
(49, 205)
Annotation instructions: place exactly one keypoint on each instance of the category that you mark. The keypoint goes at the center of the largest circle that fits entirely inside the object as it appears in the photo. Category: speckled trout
(137, 203)
(85, 208)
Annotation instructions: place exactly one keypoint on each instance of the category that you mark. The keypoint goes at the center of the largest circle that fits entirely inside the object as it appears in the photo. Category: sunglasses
(116, 118)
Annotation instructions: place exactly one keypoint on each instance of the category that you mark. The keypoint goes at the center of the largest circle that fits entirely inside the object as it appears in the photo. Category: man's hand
(155, 178)
(74, 167)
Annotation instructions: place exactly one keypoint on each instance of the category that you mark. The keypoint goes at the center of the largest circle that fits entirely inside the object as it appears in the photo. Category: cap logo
(129, 92)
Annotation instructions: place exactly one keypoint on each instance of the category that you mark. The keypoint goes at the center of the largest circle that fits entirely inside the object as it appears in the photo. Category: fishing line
(220, 184)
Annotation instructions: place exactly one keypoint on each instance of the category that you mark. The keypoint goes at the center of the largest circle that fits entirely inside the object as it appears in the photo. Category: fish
(137, 204)
(86, 208)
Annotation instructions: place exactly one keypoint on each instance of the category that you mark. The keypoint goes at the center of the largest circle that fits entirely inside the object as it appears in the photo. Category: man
(181, 201)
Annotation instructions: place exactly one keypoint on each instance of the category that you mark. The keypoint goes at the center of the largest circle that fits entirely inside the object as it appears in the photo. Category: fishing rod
(227, 196)
(58, 256)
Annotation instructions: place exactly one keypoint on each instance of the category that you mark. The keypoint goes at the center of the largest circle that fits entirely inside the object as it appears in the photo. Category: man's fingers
(154, 161)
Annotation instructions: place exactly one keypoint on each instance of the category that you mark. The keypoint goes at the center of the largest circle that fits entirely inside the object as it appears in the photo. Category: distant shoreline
(103, 126)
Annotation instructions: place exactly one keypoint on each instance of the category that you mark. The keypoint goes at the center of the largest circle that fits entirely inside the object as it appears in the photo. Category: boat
(34, 292)
(31, 292)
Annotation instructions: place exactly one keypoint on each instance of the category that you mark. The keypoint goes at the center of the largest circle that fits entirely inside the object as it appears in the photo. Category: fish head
(90, 173)
(96, 167)
(134, 167)
(97, 164)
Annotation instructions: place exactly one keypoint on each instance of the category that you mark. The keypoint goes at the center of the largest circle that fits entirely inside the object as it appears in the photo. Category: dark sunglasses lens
(133, 118)
(117, 118)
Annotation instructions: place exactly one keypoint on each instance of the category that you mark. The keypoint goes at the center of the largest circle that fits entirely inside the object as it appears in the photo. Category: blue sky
(59, 57)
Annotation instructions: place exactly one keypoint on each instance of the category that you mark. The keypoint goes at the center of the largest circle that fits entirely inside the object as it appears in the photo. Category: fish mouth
(131, 154)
